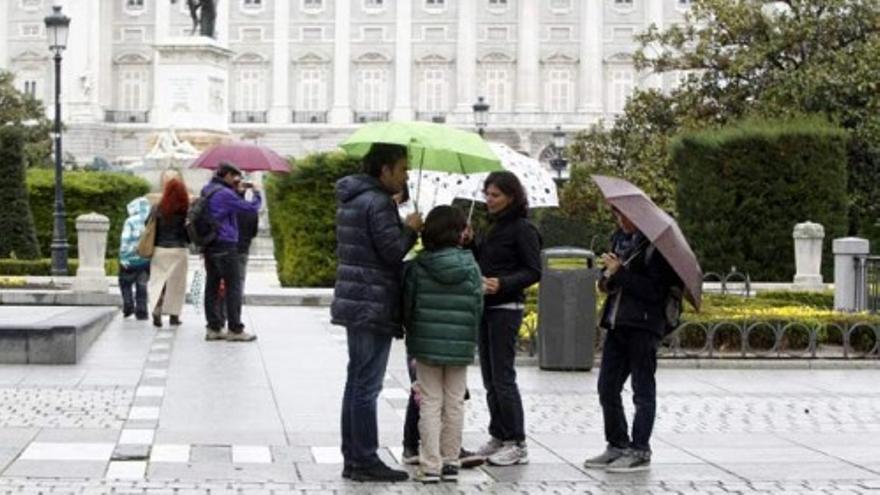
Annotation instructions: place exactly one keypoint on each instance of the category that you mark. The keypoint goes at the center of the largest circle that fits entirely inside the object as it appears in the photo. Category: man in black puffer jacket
(637, 280)
(371, 242)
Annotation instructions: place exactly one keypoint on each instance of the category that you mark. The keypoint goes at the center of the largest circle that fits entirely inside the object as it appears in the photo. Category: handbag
(147, 242)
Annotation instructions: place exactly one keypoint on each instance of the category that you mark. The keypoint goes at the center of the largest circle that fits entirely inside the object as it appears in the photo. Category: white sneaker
(490, 447)
(512, 453)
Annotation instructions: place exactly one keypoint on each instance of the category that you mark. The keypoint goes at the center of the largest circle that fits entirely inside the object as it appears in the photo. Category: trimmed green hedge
(742, 189)
(302, 215)
(43, 267)
(106, 193)
(18, 237)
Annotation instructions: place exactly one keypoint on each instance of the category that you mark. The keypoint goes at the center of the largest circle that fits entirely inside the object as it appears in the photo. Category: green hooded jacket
(443, 304)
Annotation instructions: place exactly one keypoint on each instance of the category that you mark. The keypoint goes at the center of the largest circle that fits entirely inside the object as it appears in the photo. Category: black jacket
(171, 230)
(248, 223)
(511, 251)
(637, 292)
(371, 242)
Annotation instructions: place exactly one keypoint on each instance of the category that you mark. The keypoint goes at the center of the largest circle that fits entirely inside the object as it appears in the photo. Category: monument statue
(203, 14)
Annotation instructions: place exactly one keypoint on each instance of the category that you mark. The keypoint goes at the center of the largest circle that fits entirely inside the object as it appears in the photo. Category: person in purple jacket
(221, 255)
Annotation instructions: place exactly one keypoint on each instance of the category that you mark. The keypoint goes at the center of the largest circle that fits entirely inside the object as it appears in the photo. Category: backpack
(201, 226)
(672, 306)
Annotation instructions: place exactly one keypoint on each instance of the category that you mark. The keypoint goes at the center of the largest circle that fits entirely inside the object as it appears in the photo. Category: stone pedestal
(808, 238)
(91, 232)
(192, 84)
(846, 250)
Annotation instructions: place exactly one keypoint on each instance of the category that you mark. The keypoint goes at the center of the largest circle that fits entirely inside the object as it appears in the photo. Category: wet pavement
(163, 411)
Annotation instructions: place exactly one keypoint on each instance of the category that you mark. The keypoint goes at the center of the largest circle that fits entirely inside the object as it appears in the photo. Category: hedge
(302, 216)
(18, 239)
(106, 193)
(43, 267)
(742, 189)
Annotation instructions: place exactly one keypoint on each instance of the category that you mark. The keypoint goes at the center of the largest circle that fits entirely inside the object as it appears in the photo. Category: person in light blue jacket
(134, 271)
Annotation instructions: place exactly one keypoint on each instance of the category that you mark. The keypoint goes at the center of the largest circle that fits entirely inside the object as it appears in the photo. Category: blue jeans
(498, 332)
(134, 280)
(629, 352)
(367, 360)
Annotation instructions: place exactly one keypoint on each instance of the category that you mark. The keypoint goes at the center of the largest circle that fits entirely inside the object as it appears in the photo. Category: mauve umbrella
(246, 156)
(659, 228)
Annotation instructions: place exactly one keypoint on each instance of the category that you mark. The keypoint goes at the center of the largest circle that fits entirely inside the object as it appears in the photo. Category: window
(434, 34)
(560, 91)
(373, 34)
(621, 88)
(252, 3)
(498, 3)
(251, 34)
(30, 88)
(623, 2)
(496, 34)
(31, 4)
(560, 4)
(311, 90)
(372, 93)
(434, 91)
(250, 91)
(498, 90)
(134, 4)
(251, 6)
(312, 4)
(133, 94)
(560, 33)
(312, 34)
(373, 4)
(30, 30)
(434, 3)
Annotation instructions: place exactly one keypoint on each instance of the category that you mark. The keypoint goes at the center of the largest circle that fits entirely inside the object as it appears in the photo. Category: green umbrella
(431, 146)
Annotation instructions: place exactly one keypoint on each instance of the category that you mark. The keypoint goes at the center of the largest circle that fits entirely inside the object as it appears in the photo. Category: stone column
(528, 69)
(592, 68)
(81, 64)
(91, 233)
(466, 58)
(655, 16)
(221, 26)
(4, 26)
(846, 250)
(279, 113)
(403, 108)
(808, 238)
(341, 111)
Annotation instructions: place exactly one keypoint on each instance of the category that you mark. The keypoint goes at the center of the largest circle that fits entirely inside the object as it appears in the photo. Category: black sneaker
(449, 473)
(632, 461)
(410, 456)
(175, 321)
(157, 320)
(378, 472)
(470, 459)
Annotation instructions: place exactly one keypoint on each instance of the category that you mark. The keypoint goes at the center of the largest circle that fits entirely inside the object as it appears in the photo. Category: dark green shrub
(817, 299)
(18, 237)
(302, 215)
(742, 189)
(559, 229)
(43, 267)
(106, 193)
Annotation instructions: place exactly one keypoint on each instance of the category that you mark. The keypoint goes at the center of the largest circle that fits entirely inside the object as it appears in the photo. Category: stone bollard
(846, 250)
(808, 238)
(91, 232)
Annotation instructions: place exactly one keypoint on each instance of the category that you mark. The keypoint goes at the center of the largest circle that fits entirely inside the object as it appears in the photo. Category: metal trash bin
(567, 309)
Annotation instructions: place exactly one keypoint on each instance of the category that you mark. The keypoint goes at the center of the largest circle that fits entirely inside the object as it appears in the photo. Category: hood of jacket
(447, 265)
(139, 208)
(352, 186)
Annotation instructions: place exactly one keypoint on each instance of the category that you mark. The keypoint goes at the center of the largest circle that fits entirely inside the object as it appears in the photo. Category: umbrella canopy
(536, 180)
(431, 146)
(659, 228)
(246, 156)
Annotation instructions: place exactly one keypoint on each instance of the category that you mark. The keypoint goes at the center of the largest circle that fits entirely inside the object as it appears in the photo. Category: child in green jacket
(443, 302)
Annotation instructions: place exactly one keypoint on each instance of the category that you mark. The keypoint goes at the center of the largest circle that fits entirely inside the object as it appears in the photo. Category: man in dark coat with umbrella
(637, 280)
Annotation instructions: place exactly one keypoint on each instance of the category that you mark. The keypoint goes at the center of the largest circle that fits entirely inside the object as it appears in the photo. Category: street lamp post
(481, 115)
(558, 162)
(57, 25)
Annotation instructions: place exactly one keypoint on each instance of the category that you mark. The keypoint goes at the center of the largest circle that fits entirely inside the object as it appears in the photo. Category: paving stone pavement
(164, 411)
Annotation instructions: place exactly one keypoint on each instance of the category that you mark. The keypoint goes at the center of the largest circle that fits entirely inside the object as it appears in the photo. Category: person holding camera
(221, 255)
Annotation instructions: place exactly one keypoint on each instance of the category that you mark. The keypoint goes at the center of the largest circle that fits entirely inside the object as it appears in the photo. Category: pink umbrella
(659, 228)
(246, 156)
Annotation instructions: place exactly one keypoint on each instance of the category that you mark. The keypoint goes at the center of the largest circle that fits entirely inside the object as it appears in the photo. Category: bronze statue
(203, 14)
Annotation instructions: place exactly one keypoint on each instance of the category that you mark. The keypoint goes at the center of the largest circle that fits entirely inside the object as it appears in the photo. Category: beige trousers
(441, 414)
(168, 268)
